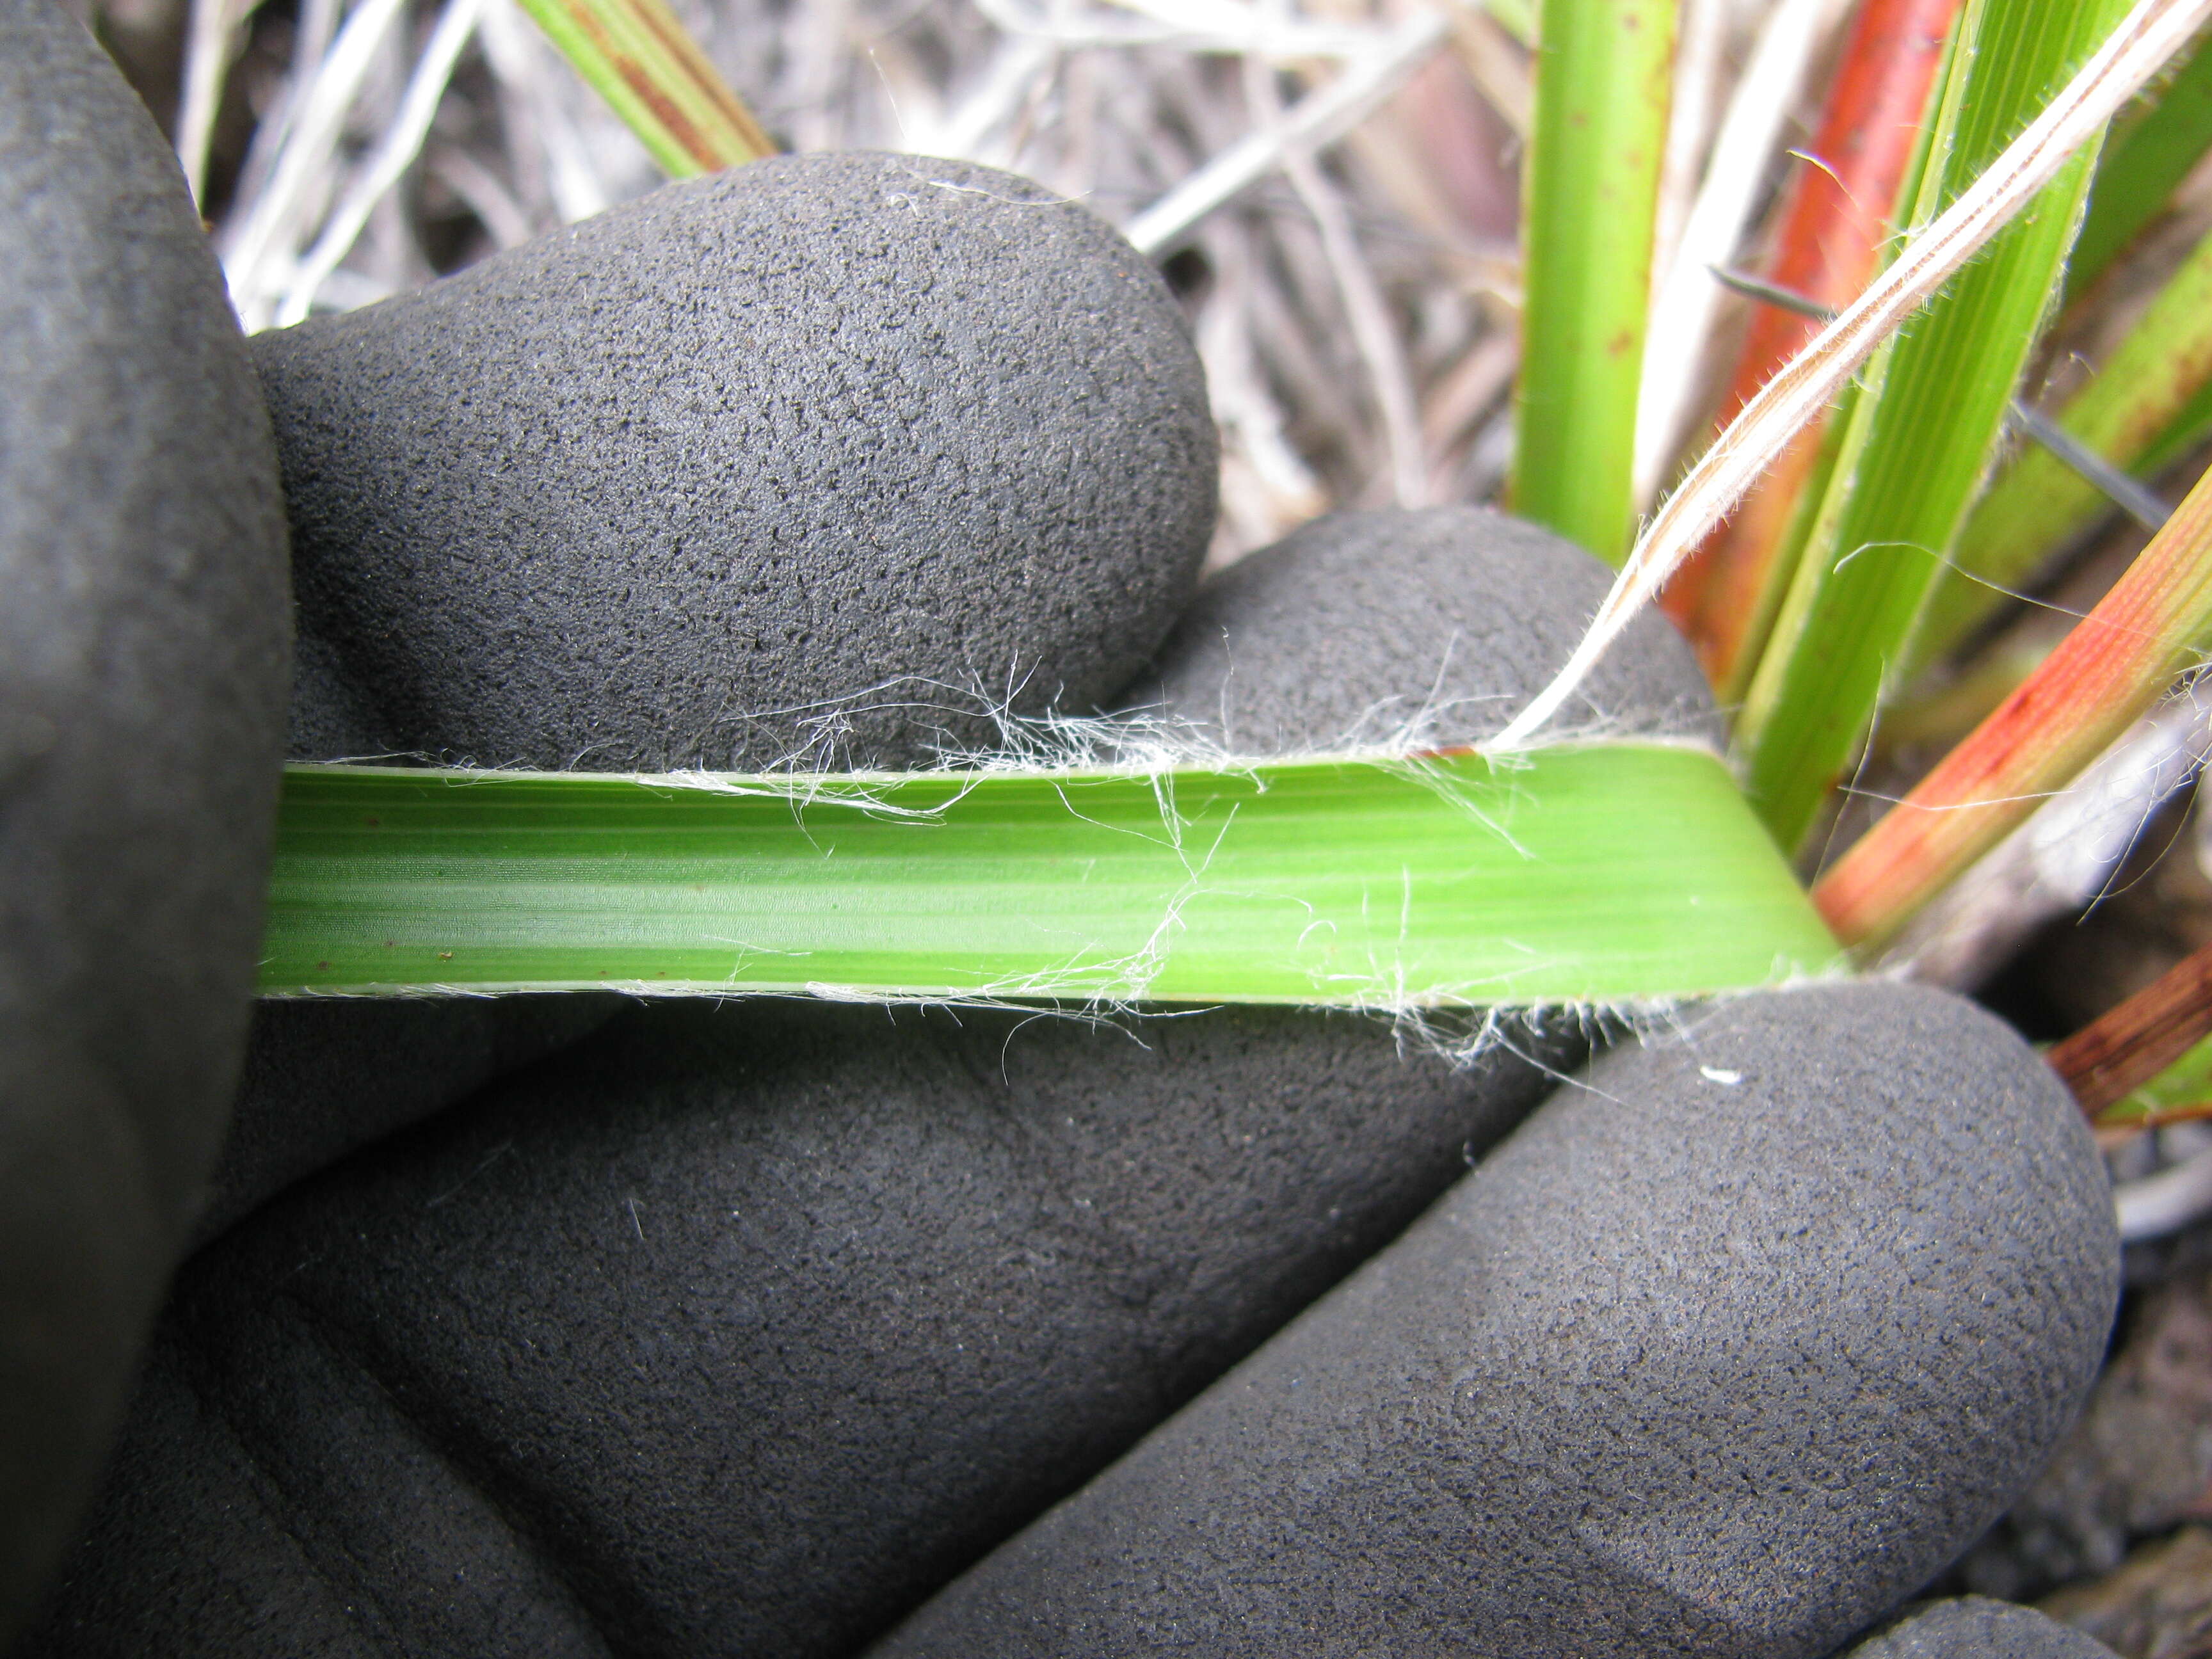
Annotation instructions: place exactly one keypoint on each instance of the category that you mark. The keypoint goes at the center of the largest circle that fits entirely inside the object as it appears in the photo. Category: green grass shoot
(2148, 156)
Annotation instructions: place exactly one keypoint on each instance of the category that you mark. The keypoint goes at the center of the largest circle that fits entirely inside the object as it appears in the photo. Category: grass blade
(1922, 432)
(1837, 224)
(2149, 387)
(2145, 159)
(2116, 663)
(1603, 86)
(638, 57)
(1591, 873)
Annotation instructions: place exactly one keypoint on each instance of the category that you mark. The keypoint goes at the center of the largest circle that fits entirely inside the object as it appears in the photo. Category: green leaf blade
(2151, 400)
(1591, 874)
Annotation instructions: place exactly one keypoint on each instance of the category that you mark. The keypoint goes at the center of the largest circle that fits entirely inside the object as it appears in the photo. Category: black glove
(144, 634)
(1975, 1627)
(1726, 1351)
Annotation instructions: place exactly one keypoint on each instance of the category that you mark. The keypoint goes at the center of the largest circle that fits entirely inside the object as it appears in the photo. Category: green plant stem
(1919, 437)
(1596, 872)
(1602, 91)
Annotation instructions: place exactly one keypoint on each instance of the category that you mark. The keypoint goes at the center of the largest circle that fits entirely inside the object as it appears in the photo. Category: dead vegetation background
(1354, 305)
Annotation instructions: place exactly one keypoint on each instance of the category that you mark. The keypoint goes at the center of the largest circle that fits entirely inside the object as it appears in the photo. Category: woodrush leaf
(1583, 873)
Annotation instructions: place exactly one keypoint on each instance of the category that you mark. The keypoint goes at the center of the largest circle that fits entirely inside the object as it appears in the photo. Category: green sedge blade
(1602, 872)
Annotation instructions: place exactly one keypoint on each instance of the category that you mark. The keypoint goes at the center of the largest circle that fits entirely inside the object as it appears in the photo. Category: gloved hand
(1975, 1627)
(891, 1282)
(144, 650)
(745, 1327)
(739, 1329)
(1729, 1349)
